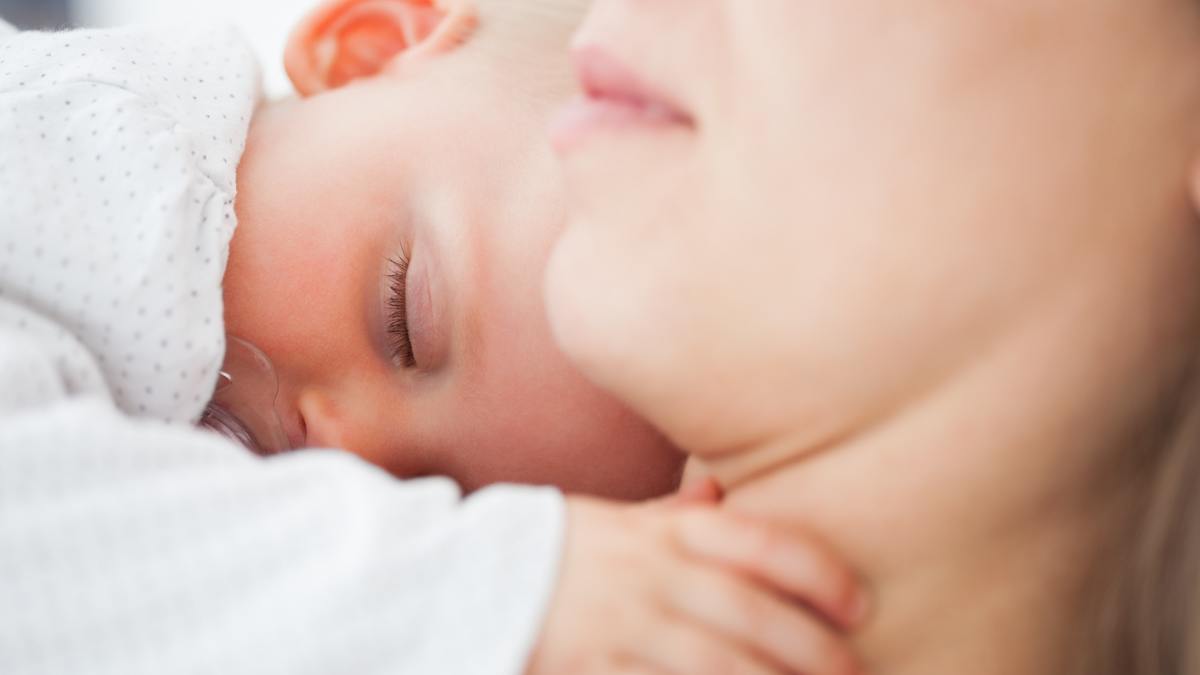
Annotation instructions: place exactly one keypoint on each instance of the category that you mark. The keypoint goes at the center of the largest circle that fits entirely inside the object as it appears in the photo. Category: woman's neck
(1003, 603)
(974, 511)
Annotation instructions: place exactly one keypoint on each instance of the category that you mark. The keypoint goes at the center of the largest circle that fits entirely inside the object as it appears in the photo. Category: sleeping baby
(357, 269)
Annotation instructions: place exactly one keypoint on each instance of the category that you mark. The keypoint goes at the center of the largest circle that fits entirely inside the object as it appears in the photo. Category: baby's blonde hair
(516, 34)
(530, 19)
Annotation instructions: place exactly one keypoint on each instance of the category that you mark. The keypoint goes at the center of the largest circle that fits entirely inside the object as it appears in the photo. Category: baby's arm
(132, 546)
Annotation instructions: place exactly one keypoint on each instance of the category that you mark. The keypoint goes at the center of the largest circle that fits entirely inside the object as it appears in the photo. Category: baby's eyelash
(397, 327)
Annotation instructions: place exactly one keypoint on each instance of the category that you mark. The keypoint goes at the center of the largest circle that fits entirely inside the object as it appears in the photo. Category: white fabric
(131, 542)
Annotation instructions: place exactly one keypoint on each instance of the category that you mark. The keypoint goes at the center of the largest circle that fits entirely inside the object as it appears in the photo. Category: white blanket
(131, 542)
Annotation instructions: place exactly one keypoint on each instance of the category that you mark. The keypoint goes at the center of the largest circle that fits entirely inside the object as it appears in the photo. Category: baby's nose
(325, 426)
(354, 416)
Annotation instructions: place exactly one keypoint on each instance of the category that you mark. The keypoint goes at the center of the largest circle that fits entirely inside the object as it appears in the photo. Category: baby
(923, 277)
(389, 232)
(409, 197)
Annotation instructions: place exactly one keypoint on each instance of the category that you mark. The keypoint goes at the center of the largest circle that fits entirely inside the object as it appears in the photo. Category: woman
(921, 277)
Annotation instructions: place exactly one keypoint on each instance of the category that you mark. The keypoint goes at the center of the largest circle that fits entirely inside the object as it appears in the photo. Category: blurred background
(266, 23)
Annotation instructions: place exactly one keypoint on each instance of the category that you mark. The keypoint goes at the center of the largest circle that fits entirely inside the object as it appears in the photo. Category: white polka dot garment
(117, 174)
(131, 542)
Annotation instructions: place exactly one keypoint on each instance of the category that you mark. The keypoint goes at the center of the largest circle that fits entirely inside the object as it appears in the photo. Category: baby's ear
(344, 40)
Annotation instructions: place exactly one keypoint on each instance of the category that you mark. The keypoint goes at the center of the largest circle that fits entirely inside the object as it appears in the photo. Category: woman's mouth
(613, 99)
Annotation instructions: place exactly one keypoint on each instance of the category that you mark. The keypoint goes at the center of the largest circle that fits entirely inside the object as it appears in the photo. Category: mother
(923, 277)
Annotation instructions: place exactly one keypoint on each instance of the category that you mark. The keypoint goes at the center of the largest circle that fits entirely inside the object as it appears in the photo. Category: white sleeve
(132, 546)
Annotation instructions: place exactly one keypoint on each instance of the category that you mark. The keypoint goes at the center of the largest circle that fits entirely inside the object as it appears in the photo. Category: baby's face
(820, 209)
(443, 364)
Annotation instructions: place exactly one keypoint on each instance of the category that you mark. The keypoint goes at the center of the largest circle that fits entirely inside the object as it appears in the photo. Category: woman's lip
(614, 97)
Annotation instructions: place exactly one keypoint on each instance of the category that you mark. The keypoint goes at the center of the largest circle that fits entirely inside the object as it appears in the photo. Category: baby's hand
(684, 588)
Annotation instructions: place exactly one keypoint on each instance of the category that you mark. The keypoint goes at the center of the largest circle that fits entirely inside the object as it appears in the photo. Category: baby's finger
(701, 491)
(799, 566)
(681, 647)
(744, 612)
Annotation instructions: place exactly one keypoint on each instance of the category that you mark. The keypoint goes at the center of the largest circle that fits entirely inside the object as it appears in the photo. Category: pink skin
(394, 160)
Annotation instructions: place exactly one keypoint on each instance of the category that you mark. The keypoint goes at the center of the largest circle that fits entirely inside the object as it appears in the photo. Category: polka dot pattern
(117, 185)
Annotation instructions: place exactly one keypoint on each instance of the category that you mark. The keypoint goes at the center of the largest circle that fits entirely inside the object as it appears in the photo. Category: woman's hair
(1145, 608)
